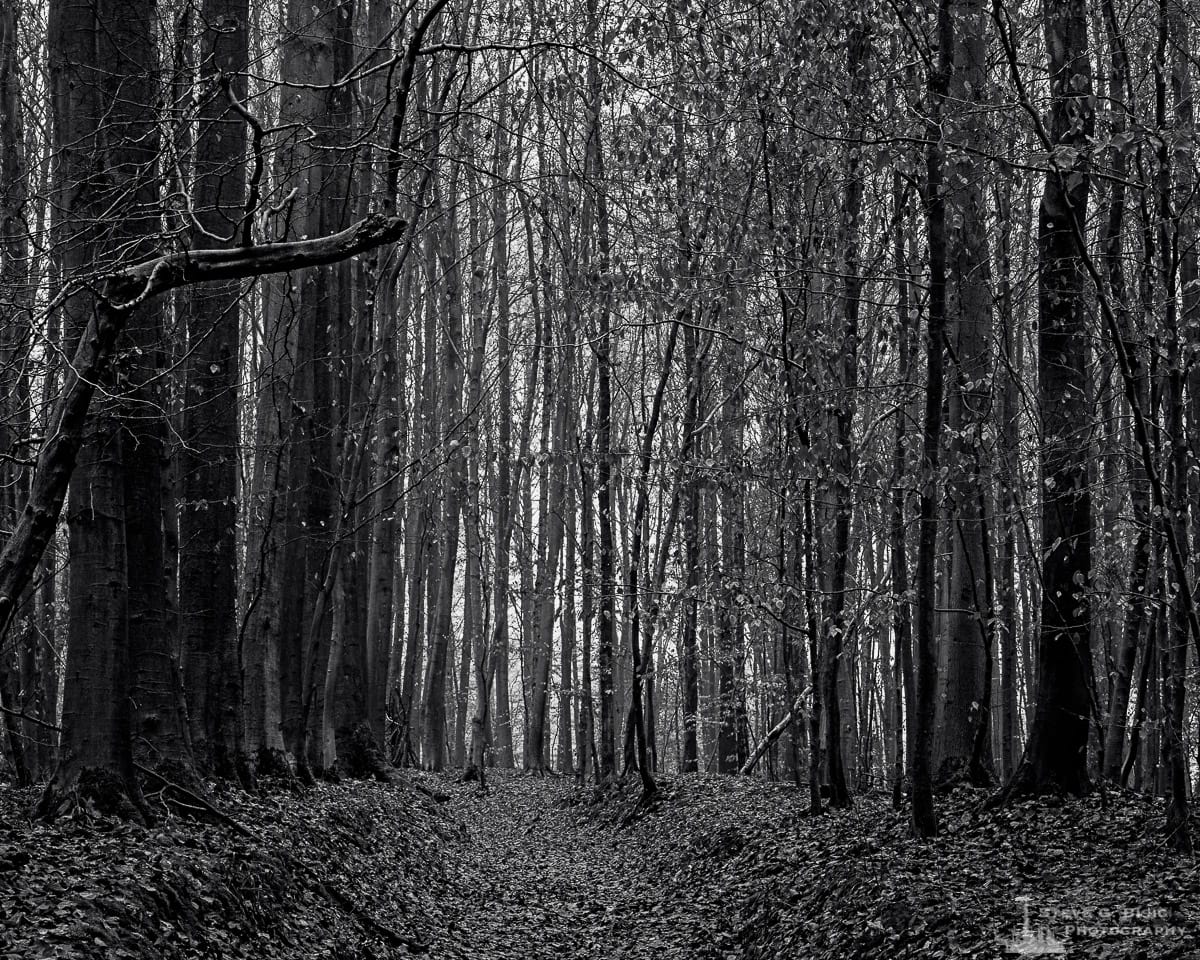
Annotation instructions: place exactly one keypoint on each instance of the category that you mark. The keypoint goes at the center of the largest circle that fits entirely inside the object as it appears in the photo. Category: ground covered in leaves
(536, 868)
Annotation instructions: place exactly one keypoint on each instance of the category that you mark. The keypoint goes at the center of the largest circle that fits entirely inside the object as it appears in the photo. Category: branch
(119, 294)
(188, 267)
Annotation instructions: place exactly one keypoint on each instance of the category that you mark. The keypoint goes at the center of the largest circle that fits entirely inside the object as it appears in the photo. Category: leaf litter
(716, 868)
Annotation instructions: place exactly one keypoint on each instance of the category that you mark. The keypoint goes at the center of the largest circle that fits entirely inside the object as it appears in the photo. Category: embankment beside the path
(771, 882)
(352, 871)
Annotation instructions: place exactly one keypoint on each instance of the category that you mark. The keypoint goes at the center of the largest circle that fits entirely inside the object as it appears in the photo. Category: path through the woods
(545, 879)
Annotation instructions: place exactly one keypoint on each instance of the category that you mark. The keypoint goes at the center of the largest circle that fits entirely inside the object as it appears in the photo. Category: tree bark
(208, 509)
(1055, 757)
(961, 720)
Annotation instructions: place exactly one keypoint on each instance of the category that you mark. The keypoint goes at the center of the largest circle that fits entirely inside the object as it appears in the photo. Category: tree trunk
(920, 772)
(121, 679)
(1055, 757)
(208, 565)
(433, 742)
(604, 479)
(903, 680)
(961, 721)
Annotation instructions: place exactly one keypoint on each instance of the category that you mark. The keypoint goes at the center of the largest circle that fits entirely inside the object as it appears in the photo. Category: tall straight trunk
(689, 655)
(433, 740)
(837, 624)
(385, 506)
(1055, 757)
(642, 659)
(544, 607)
(505, 481)
(604, 467)
(389, 313)
(315, 47)
(903, 681)
(483, 653)
(1008, 470)
(550, 542)
(16, 329)
(920, 769)
(121, 680)
(473, 615)
(526, 552)
(812, 629)
(587, 616)
(732, 749)
(208, 513)
(1175, 651)
(1112, 252)
(262, 600)
(569, 701)
(1188, 230)
(346, 738)
(419, 545)
(961, 720)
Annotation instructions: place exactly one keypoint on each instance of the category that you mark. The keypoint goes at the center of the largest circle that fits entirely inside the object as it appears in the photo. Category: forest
(757, 433)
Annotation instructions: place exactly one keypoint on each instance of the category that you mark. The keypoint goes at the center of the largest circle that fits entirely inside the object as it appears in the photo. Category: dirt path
(541, 879)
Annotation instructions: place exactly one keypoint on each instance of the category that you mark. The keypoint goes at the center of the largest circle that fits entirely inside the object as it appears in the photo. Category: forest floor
(536, 868)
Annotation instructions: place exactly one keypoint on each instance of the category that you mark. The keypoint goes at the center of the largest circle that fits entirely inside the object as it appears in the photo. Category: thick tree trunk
(122, 679)
(961, 719)
(21, 689)
(1055, 757)
(208, 509)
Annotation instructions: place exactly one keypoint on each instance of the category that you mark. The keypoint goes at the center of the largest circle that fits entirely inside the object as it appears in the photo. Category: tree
(965, 657)
(1055, 755)
(208, 509)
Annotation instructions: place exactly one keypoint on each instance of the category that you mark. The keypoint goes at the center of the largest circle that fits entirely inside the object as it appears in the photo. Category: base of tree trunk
(958, 772)
(360, 757)
(76, 790)
(268, 764)
(1179, 836)
(1026, 781)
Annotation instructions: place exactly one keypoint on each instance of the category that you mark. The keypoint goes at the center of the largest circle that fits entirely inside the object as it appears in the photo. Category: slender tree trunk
(604, 427)
(903, 680)
(837, 624)
(433, 744)
(920, 772)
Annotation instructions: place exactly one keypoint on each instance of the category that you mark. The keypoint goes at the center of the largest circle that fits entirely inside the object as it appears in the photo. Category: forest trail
(725, 868)
(541, 876)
